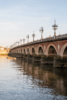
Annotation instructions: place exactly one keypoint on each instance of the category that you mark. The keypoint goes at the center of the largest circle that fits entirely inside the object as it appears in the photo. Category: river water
(20, 80)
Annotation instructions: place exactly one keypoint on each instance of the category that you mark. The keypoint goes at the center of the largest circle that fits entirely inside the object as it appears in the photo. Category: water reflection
(45, 76)
(20, 80)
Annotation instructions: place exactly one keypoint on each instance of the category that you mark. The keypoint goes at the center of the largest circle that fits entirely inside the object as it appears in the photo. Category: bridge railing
(64, 36)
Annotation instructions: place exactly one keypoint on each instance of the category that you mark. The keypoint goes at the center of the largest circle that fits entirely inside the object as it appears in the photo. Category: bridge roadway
(49, 48)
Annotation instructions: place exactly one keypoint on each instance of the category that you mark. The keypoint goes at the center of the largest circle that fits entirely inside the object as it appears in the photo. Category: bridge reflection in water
(41, 50)
(45, 76)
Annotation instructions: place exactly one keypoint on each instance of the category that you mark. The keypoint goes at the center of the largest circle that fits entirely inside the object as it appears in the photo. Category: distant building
(4, 50)
(1, 48)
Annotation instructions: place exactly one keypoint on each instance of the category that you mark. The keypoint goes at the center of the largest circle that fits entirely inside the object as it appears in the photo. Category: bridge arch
(28, 51)
(33, 50)
(64, 50)
(40, 49)
(24, 51)
(21, 50)
(51, 49)
(18, 50)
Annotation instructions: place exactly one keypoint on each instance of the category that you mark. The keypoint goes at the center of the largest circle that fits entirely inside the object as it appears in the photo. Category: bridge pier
(18, 55)
(36, 59)
(47, 60)
(29, 58)
(56, 61)
(60, 62)
(25, 57)
(12, 54)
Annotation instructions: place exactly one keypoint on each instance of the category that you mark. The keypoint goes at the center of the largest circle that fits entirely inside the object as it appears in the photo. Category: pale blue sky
(18, 18)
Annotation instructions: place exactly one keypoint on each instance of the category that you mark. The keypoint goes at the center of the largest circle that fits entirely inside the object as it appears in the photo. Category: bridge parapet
(53, 45)
(48, 39)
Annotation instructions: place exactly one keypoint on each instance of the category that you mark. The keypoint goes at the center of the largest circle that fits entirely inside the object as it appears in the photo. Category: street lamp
(20, 41)
(23, 41)
(55, 27)
(41, 30)
(33, 35)
(27, 38)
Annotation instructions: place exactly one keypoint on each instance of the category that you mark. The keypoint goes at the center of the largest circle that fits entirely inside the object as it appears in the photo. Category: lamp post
(55, 28)
(17, 43)
(14, 44)
(23, 41)
(33, 35)
(27, 38)
(20, 41)
(41, 30)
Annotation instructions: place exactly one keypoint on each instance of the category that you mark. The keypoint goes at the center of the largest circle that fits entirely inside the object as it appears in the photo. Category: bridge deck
(50, 39)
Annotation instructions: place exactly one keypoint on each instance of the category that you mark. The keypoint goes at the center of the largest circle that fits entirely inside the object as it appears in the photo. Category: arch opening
(33, 51)
(40, 51)
(65, 51)
(24, 51)
(28, 50)
(52, 50)
(21, 50)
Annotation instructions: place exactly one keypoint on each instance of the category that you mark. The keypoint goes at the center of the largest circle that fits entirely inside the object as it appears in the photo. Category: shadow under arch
(64, 50)
(21, 50)
(24, 51)
(33, 51)
(28, 51)
(40, 50)
(51, 50)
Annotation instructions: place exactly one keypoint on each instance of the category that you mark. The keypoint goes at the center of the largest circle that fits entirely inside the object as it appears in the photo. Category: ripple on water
(20, 80)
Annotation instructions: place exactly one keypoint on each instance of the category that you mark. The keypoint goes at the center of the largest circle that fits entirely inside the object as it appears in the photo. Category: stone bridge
(49, 46)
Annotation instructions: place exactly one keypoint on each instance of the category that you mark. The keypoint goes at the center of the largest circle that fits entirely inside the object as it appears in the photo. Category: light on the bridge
(55, 28)
(41, 30)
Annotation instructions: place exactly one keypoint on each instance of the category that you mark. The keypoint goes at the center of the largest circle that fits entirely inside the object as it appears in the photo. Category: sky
(19, 18)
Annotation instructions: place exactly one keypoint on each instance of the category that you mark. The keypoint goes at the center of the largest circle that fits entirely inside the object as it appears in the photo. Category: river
(20, 80)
